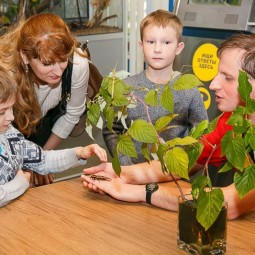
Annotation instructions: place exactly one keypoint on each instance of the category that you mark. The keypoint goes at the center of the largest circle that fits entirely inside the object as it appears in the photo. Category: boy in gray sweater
(160, 41)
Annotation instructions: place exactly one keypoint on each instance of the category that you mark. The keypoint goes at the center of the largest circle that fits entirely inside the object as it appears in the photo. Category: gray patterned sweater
(18, 153)
(188, 104)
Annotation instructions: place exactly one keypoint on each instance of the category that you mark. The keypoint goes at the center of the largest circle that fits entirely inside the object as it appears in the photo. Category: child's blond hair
(8, 86)
(162, 18)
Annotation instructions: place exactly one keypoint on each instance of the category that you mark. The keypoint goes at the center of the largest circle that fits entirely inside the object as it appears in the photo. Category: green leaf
(194, 152)
(163, 121)
(244, 87)
(105, 83)
(212, 124)
(209, 207)
(198, 186)
(250, 106)
(235, 118)
(239, 110)
(167, 128)
(187, 81)
(105, 95)
(235, 152)
(109, 116)
(93, 113)
(116, 87)
(248, 136)
(177, 162)
(242, 128)
(167, 100)
(187, 140)
(151, 98)
(116, 162)
(227, 166)
(252, 139)
(162, 148)
(245, 181)
(197, 131)
(120, 100)
(145, 151)
(126, 146)
(200, 182)
(226, 139)
(142, 131)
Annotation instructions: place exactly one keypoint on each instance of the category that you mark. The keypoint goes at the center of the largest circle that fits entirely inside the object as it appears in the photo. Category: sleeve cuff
(82, 161)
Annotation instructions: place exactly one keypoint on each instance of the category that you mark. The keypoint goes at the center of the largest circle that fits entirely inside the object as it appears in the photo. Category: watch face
(151, 186)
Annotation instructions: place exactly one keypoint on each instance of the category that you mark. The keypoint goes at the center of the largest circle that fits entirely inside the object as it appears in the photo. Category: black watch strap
(148, 197)
(150, 188)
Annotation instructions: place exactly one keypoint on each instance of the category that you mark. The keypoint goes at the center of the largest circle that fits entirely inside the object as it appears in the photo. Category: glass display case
(83, 16)
(71, 10)
(92, 17)
(221, 2)
(217, 14)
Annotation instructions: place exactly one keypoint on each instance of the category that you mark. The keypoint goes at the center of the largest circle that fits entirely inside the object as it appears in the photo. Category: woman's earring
(26, 67)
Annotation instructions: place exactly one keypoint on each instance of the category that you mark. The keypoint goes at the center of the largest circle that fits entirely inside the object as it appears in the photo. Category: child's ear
(140, 45)
(180, 47)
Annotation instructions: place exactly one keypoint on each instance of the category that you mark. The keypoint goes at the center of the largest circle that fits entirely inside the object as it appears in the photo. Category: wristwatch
(150, 188)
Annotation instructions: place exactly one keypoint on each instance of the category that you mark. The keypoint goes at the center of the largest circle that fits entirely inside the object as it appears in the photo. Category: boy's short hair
(162, 18)
(8, 86)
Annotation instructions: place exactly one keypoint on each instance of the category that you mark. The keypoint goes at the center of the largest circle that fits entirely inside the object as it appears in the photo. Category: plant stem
(205, 170)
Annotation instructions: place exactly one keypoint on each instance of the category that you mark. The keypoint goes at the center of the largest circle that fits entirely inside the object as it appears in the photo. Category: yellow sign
(205, 62)
(206, 97)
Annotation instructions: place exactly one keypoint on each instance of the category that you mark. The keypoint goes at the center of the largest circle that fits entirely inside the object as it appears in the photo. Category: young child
(160, 42)
(18, 154)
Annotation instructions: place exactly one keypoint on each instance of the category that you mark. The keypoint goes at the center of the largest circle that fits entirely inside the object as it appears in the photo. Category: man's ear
(24, 58)
(180, 47)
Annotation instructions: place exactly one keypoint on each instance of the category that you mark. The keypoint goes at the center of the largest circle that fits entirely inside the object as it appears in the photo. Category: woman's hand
(90, 150)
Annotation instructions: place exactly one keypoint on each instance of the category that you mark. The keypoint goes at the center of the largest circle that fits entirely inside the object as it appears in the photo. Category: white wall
(153, 5)
(137, 11)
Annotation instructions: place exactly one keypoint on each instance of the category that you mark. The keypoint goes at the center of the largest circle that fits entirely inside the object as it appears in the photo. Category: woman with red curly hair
(36, 52)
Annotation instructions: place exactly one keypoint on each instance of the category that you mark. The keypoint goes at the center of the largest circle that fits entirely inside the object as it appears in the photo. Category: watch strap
(148, 197)
(150, 188)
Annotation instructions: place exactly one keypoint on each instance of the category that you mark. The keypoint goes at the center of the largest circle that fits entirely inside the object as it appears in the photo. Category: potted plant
(177, 156)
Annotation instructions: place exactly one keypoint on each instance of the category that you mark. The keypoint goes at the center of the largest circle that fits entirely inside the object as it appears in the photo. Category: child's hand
(25, 174)
(90, 150)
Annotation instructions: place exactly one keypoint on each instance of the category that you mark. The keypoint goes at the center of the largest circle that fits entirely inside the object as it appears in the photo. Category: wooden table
(64, 218)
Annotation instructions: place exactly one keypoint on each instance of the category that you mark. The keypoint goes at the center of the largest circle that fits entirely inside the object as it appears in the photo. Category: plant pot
(193, 238)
